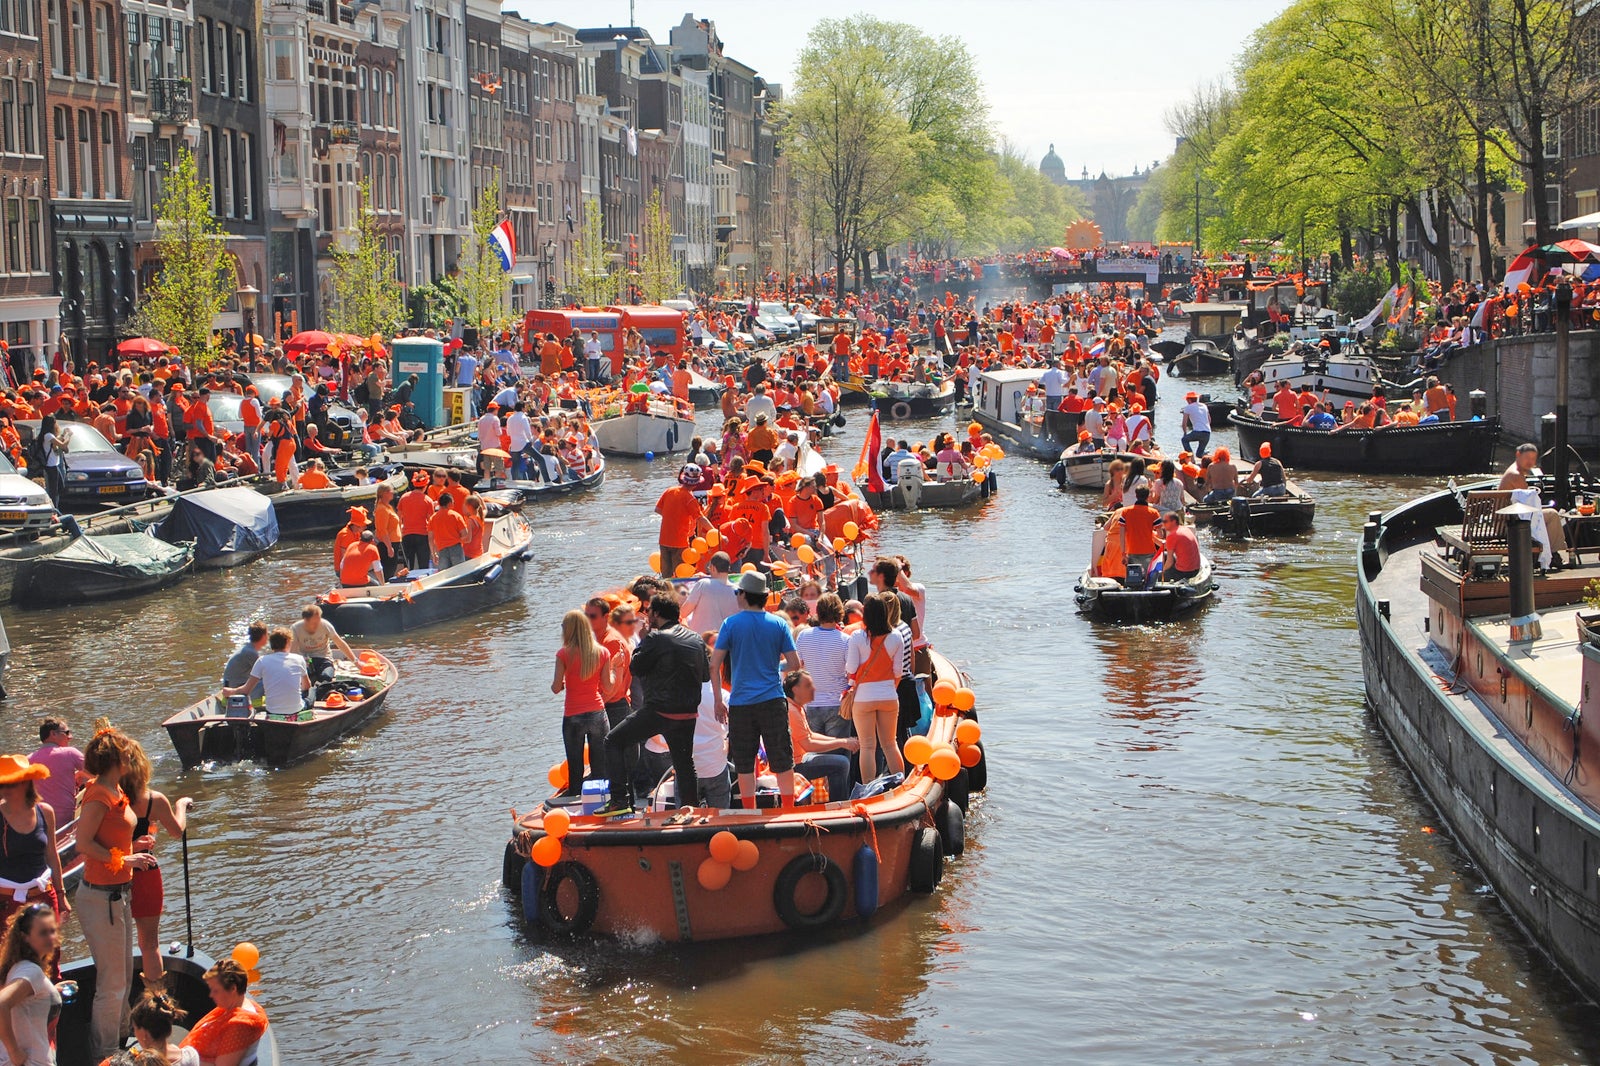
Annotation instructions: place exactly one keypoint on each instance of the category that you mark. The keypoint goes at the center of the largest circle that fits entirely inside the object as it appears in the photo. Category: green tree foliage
(196, 276)
(1023, 209)
(484, 283)
(366, 288)
(660, 275)
(593, 279)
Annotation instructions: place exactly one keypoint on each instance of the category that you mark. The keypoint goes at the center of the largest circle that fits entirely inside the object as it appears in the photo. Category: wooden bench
(1483, 529)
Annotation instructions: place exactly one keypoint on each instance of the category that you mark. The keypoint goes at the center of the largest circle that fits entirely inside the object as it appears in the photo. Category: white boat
(1112, 600)
(1091, 470)
(638, 433)
(1345, 376)
(1003, 405)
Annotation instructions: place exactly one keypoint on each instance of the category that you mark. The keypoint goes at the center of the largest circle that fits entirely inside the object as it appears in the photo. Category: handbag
(847, 701)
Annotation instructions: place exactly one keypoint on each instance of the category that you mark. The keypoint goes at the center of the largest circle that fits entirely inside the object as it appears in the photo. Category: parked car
(225, 409)
(776, 317)
(97, 471)
(23, 502)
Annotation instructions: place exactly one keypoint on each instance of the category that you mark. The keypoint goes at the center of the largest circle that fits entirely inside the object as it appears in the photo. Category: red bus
(563, 320)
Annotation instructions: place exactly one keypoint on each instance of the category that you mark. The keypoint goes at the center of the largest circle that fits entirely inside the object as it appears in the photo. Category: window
(102, 44)
(366, 114)
(394, 183)
(242, 74)
(388, 100)
(63, 143)
(380, 189)
(366, 166)
(36, 236)
(25, 19)
(86, 154)
(29, 118)
(221, 68)
(203, 32)
(138, 152)
(108, 155)
(135, 65)
(80, 44)
(8, 111)
(245, 183)
(14, 235)
(289, 161)
(283, 61)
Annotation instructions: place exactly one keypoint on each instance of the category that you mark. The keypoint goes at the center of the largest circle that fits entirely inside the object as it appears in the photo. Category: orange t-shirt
(115, 834)
(1139, 529)
(448, 528)
(680, 516)
(386, 524)
(415, 509)
(355, 567)
(805, 512)
(342, 541)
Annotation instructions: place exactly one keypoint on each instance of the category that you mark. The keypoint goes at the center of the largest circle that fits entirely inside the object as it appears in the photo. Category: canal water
(1196, 844)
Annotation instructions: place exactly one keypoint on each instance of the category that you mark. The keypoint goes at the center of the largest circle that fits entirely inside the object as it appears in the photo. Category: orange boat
(708, 874)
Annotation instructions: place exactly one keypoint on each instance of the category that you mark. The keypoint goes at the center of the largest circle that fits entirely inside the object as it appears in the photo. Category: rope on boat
(1571, 724)
(814, 832)
(860, 811)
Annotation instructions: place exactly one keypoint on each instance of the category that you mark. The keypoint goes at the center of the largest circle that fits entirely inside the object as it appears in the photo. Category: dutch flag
(504, 243)
(1099, 347)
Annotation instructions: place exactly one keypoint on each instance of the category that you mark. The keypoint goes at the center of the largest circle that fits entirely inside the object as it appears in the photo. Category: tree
(196, 276)
(366, 289)
(660, 276)
(483, 280)
(595, 283)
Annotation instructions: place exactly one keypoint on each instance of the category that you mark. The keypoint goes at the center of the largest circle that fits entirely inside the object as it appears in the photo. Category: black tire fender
(927, 860)
(783, 892)
(952, 829)
(588, 889)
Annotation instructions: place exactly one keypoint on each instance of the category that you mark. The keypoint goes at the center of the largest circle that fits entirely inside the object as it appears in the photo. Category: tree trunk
(1347, 247)
(1391, 239)
(1439, 246)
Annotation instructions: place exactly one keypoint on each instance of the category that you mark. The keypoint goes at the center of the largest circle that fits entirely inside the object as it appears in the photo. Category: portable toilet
(424, 358)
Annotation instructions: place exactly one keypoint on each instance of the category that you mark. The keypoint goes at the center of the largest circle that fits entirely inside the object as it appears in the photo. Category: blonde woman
(875, 662)
(583, 672)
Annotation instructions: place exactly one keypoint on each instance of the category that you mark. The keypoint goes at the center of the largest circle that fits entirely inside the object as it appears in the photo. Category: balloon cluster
(944, 761)
(728, 853)
(546, 851)
(248, 955)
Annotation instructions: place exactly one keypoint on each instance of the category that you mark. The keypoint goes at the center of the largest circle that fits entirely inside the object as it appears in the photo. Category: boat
(108, 566)
(659, 431)
(914, 494)
(1003, 405)
(185, 982)
(1221, 410)
(508, 492)
(1438, 448)
(1091, 470)
(901, 400)
(1345, 375)
(1202, 359)
(224, 730)
(1109, 599)
(1170, 342)
(703, 392)
(1489, 690)
(229, 527)
(650, 876)
(1246, 516)
(321, 512)
(425, 597)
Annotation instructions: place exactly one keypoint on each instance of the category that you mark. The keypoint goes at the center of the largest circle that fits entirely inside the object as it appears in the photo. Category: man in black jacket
(672, 663)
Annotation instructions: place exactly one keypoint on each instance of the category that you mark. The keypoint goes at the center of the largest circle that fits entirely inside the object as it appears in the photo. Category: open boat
(103, 567)
(229, 527)
(1437, 448)
(914, 494)
(659, 431)
(422, 599)
(1202, 359)
(1002, 405)
(703, 392)
(320, 512)
(1246, 516)
(1091, 470)
(1110, 599)
(508, 492)
(812, 866)
(218, 729)
(901, 400)
(1345, 375)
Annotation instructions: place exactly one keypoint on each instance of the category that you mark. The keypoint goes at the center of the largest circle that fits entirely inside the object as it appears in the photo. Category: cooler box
(595, 794)
(424, 358)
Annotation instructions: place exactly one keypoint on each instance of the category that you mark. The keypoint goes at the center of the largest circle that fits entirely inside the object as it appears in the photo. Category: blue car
(97, 472)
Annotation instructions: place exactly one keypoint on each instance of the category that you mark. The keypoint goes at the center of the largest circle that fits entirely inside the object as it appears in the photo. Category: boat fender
(927, 860)
(978, 772)
(530, 892)
(866, 871)
(900, 410)
(492, 574)
(839, 420)
(783, 892)
(1239, 518)
(958, 789)
(588, 889)
(952, 829)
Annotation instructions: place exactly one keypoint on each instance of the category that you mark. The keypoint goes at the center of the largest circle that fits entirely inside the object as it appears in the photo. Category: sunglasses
(594, 617)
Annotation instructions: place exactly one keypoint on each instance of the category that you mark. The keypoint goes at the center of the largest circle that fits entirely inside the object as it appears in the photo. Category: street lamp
(248, 296)
(549, 262)
(742, 289)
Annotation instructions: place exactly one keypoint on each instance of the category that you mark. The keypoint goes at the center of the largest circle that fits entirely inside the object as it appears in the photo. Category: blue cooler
(595, 794)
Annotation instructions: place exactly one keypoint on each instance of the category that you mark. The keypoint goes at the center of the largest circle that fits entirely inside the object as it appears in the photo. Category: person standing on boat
(672, 663)
(752, 642)
(1139, 523)
(65, 763)
(30, 863)
(416, 508)
(152, 810)
(583, 670)
(608, 625)
(386, 527)
(447, 530)
(681, 519)
(1196, 425)
(712, 600)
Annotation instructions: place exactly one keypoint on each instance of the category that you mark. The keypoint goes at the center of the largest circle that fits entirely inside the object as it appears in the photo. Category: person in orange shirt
(386, 526)
(200, 427)
(446, 531)
(805, 508)
(415, 508)
(681, 519)
(362, 563)
(754, 507)
(349, 534)
(681, 380)
(1140, 524)
(472, 543)
(315, 476)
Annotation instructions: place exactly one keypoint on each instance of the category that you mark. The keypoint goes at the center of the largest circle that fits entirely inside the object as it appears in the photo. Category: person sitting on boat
(950, 464)
(1139, 524)
(1140, 430)
(315, 638)
(1321, 417)
(1094, 421)
(237, 670)
(1180, 551)
(361, 565)
(313, 448)
(152, 1020)
(1286, 403)
(816, 754)
(1268, 474)
(225, 1035)
(1550, 535)
(348, 534)
(1135, 482)
(200, 472)
(1116, 428)
(281, 674)
(1221, 479)
(1168, 489)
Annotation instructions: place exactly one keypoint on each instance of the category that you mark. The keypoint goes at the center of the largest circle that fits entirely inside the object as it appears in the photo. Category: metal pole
(1563, 310)
(188, 912)
(1194, 253)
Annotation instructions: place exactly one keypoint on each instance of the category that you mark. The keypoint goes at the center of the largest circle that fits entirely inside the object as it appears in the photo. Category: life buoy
(952, 829)
(900, 410)
(783, 892)
(927, 860)
(588, 889)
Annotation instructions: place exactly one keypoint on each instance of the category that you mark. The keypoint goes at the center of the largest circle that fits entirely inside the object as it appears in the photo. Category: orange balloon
(747, 856)
(851, 531)
(557, 823)
(971, 755)
(557, 776)
(246, 954)
(944, 764)
(546, 851)
(713, 875)
(655, 561)
(700, 544)
(943, 693)
(684, 570)
(965, 699)
(797, 540)
(917, 750)
(724, 847)
(713, 538)
(747, 568)
(690, 555)
(980, 477)
(253, 975)
(968, 732)
(807, 554)
(839, 544)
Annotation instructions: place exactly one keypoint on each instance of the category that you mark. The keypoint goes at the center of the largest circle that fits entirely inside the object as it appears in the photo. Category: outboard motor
(1239, 518)
(910, 475)
(1136, 575)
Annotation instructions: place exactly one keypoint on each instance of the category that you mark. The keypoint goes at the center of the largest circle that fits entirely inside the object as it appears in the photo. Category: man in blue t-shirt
(752, 642)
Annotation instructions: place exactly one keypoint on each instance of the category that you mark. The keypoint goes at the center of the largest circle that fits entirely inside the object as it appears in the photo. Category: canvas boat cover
(220, 521)
(133, 555)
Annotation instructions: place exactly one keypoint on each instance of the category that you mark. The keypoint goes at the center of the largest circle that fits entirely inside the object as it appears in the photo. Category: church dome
(1052, 167)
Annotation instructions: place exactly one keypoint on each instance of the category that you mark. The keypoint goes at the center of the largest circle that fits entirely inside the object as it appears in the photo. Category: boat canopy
(1000, 392)
(134, 555)
(221, 521)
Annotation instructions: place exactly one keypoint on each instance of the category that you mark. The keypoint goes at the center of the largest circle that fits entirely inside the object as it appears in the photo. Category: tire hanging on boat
(783, 892)
(952, 829)
(927, 860)
(588, 889)
(978, 772)
(900, 411)
(959, 790)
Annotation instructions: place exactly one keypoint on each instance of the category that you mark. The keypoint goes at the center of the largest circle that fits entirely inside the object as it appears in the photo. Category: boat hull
(928, 494)
(1039, 440)
(1202, 364)
(1090, 470)
(1106, 600)
(640, 434)
(400, 614)
(1262, 515)
(1442, 448)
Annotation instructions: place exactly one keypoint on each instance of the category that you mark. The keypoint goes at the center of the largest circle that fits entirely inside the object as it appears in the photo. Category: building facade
(29, 306)
(227, 95)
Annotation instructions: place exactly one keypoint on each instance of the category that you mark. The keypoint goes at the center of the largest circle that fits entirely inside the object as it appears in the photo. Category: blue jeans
(452, 556)
(575, 730)
(1201, 437)
(832, 765)
(1280, 489)
(824, 719)
(1217, 496)
(519, 465)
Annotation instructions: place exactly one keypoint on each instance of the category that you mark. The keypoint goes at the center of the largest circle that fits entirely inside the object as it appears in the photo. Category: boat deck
(1553, 663)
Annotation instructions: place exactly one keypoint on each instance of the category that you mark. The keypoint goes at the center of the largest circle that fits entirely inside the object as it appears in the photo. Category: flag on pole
(1480, 316)
(867, 466)
(1099, 348)
(633, 141)
(504, 243)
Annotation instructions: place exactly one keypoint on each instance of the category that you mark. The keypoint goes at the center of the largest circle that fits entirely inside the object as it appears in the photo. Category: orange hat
(1266, 451)
(717, 490)
(1191, 397)
(749, 484)
(788, 477)
(358, 516)
(1083, 434)
(15, 768)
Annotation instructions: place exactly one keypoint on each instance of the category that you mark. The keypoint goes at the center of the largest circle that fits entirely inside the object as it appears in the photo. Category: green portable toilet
(424, 358)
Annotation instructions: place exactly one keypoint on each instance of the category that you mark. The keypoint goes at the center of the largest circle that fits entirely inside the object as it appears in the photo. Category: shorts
(750, 725)
(148, 897)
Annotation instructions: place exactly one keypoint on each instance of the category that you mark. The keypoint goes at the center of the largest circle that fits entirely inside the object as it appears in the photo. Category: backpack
(35, 452)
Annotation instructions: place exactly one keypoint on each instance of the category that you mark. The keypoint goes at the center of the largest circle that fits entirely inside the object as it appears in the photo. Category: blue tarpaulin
(221, 521)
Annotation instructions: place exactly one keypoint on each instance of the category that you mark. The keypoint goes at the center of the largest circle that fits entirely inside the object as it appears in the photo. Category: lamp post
(742, 269)
(1563, 311)
(548, 261)
(248, 296)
